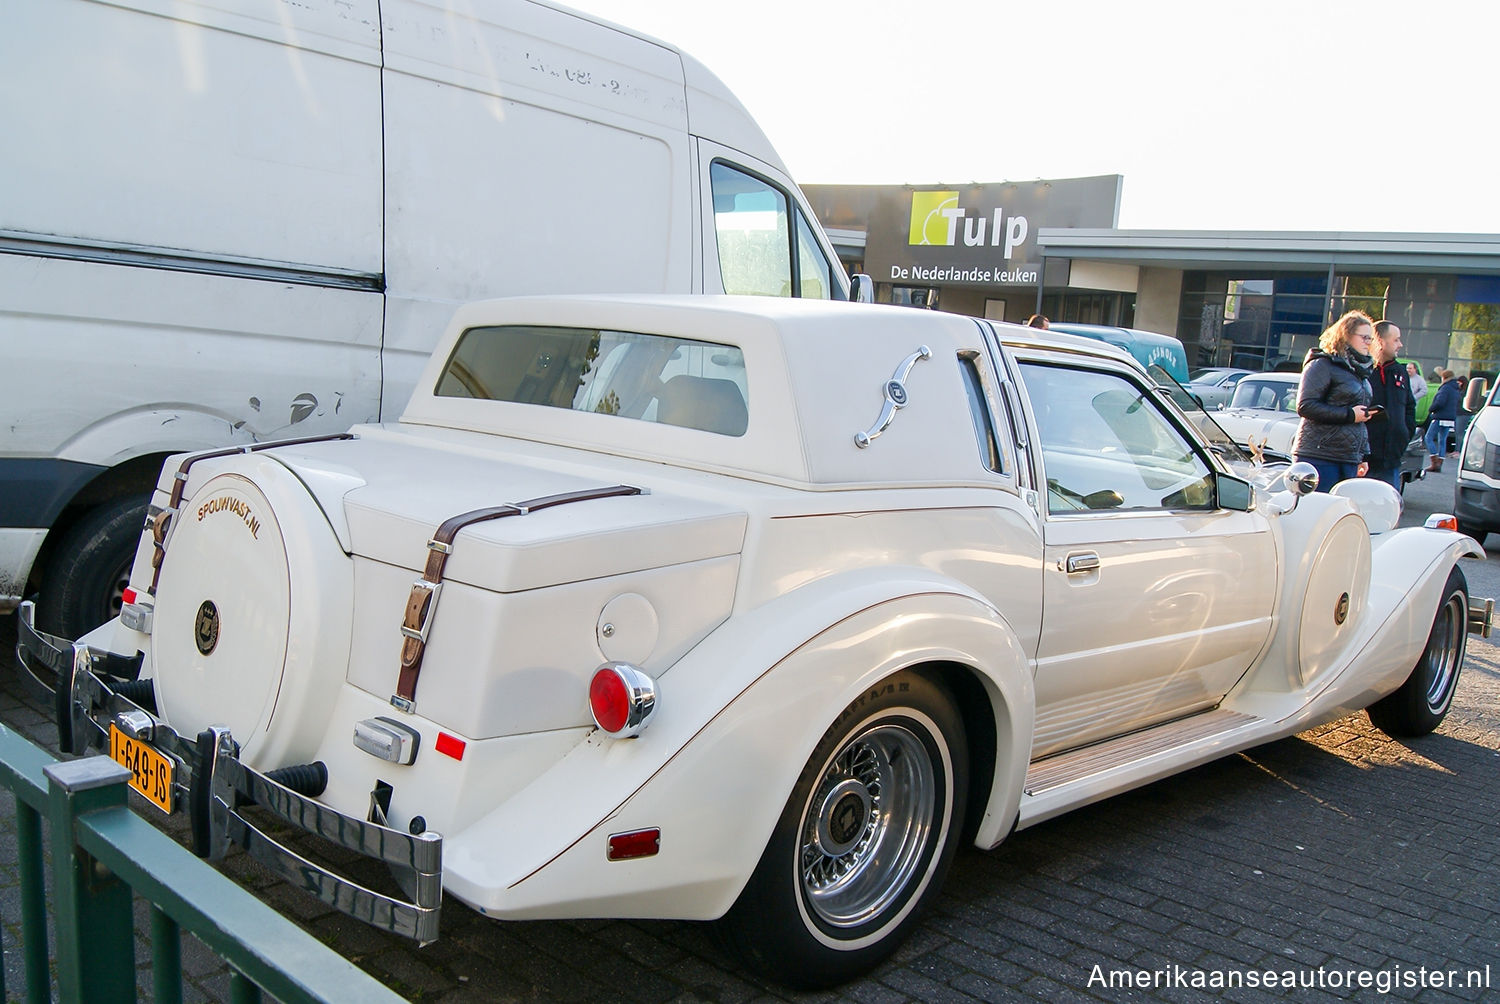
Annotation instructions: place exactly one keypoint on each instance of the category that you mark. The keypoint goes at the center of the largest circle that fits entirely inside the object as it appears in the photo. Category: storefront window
(1259, 323)
(1447, 322)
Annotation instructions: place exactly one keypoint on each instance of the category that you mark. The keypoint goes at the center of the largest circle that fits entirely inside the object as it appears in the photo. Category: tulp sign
(936, 217)
(978, 235)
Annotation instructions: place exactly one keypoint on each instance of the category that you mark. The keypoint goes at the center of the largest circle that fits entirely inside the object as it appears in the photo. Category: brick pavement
(1339, 849)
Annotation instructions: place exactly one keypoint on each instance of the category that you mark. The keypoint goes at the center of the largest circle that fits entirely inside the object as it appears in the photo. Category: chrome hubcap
(1445, 650)
(867, 823)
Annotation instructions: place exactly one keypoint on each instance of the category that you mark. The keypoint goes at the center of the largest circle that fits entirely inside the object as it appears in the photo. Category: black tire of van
(83, 581)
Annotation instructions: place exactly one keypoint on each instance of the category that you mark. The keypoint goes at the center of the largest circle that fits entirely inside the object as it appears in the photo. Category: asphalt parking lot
(1334, 857)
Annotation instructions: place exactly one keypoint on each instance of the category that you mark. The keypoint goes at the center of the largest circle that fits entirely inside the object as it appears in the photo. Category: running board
(1115, 765)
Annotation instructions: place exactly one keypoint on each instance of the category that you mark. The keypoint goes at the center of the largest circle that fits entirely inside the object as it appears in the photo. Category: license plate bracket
(151, 773)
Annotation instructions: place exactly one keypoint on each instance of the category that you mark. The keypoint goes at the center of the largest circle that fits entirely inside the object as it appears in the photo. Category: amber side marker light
(1442, 521)
(635, 844)
(622, 699)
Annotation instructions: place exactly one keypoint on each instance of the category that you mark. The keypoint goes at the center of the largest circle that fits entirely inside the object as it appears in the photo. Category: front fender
(737, 721)
(1302, 682)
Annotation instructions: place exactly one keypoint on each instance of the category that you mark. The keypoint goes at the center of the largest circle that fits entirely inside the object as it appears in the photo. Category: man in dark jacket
(1390, 390)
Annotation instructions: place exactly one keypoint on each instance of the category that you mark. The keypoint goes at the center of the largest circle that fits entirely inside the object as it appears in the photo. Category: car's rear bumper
(93, 690)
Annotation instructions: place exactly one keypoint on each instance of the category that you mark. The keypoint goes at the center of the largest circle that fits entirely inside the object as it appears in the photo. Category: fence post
(93, 906)
(33, 902)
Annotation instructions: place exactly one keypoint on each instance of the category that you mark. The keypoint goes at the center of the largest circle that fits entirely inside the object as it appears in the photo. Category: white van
(1476, 490)
(228, 221)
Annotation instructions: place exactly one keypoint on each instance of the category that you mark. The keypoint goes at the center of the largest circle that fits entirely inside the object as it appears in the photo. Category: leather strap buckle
(419, 610)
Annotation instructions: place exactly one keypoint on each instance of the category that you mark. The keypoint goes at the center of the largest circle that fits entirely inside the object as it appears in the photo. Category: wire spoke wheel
(866, 824)
(863, 840)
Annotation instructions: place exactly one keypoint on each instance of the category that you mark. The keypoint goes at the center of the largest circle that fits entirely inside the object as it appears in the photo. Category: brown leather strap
(417, 620)
(162, 520)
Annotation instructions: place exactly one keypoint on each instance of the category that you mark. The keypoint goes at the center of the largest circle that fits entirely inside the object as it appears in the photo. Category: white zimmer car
(1264, 407)
(737, 608)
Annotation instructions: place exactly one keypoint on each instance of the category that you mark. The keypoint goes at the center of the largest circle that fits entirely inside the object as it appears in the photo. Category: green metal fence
(103, 855)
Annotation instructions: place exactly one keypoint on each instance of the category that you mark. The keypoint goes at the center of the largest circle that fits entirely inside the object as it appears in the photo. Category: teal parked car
(1150, 348)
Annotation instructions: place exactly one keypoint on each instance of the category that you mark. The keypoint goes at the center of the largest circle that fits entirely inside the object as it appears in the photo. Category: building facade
(1234, 298)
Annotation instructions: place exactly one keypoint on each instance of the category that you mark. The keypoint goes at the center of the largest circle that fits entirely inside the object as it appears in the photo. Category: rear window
(650, 378)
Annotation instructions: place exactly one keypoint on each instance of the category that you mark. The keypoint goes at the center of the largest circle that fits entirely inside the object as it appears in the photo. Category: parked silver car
(1214, 386)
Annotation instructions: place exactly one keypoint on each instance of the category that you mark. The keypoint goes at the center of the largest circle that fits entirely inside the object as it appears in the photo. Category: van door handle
(1079, 561)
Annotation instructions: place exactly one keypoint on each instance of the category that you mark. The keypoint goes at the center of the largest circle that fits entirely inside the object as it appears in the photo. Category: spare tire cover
(223, 606)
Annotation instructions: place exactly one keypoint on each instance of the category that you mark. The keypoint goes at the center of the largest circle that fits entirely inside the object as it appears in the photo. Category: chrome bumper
(1481, 615)
(89, 689)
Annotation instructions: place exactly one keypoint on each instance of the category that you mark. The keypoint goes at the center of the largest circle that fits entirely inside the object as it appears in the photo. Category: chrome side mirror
(1300, 479)
(861, 288)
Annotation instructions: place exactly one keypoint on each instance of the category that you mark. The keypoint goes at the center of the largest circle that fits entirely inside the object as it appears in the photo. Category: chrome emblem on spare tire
(206, 627)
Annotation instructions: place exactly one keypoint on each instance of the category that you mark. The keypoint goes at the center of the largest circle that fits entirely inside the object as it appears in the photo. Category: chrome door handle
(1080, 561)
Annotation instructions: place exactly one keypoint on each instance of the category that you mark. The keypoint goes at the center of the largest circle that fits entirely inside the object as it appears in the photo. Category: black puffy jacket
(1331, 386)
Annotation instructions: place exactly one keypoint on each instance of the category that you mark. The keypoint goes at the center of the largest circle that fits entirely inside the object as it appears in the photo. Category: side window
(753, 220)
(750, 218)
(984, 427)
(1106, 446)
(813, 269)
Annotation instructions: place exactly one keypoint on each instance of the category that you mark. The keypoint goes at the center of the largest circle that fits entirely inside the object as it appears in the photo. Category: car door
(1155, 600)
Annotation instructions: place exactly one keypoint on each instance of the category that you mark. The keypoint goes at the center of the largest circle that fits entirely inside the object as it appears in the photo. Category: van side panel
(529, 150)
(176, 361)
(243, 128)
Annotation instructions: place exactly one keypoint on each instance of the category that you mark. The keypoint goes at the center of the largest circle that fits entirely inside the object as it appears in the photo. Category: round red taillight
(608, 700)
(622, 699)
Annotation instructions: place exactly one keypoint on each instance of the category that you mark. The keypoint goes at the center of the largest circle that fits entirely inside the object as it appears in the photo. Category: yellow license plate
(151, 773)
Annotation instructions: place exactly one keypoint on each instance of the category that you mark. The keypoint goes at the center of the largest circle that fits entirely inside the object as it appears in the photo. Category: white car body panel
(766, 581)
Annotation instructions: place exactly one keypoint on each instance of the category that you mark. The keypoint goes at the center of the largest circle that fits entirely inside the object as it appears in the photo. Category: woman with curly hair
(1333, 400)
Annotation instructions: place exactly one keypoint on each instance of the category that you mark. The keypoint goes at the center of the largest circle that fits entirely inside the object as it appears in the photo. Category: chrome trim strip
(176, 260)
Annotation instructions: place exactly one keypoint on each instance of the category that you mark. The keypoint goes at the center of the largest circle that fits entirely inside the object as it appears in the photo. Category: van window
(652, 378)
(812, 277)
(757, 255)
(750, 217)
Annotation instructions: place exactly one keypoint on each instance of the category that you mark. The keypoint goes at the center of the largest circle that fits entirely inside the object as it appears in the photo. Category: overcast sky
(1368, 115)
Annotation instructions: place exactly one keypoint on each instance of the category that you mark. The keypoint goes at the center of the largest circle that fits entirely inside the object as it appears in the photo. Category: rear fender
(737, 720)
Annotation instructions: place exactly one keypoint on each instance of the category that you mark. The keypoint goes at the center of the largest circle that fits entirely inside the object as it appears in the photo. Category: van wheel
(1424, 699)
(84, 580)
(1477, 532)
(863, 842)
